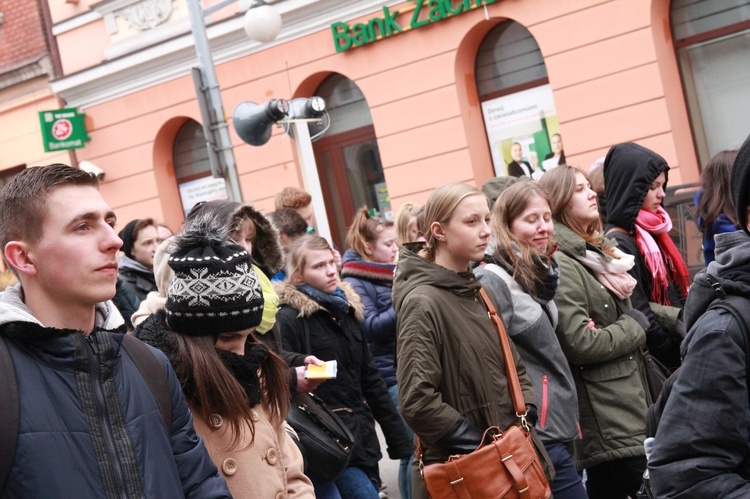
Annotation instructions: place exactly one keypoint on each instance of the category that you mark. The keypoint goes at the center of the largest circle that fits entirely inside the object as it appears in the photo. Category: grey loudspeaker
(314, 107)
(253, 122)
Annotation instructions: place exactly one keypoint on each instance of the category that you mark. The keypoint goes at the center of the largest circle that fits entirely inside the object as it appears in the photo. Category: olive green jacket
(606, 365)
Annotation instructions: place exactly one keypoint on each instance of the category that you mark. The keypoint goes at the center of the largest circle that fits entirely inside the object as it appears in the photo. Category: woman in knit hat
(236, 388)
(315, 304)
(251, 229)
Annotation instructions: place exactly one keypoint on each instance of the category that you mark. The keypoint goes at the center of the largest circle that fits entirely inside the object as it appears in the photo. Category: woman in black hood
(635, 179)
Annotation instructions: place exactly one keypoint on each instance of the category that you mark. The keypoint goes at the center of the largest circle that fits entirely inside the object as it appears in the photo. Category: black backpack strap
(9, 409)
(153, 373)
(739, 307)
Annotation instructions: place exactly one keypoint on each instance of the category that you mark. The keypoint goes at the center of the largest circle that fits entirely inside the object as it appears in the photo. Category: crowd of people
(237, 305)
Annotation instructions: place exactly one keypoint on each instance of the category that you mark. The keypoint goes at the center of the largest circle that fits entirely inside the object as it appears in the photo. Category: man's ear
(17, 254)
(437, 231)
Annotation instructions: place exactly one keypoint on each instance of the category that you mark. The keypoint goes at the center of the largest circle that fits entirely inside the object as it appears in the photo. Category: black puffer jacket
(629, 170)
(358, 393)
(702, 446)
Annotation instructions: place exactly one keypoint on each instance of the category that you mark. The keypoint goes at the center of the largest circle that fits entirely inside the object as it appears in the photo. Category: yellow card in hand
(326, 371)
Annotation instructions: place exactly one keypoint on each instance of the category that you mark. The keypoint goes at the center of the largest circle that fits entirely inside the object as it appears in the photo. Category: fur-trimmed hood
(267, 253)
(290, 295)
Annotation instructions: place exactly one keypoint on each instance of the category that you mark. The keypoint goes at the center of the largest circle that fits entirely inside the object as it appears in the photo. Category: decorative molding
(26, 71)
(132, 66)
(75, 22)
(147, 14)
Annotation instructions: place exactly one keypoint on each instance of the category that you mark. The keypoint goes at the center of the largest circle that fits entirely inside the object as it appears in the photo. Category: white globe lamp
(262, 22)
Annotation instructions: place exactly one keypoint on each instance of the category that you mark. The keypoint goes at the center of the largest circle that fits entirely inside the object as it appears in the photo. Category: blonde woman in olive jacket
(600, 335)
(450, 367)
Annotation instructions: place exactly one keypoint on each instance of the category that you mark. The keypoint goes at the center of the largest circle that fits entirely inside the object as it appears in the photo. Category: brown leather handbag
(507, 467)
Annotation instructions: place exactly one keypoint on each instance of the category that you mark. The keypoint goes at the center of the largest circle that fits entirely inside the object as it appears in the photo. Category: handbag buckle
(524, 422)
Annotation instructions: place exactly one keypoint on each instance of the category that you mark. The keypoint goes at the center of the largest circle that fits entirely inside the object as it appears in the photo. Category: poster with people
(523, 132)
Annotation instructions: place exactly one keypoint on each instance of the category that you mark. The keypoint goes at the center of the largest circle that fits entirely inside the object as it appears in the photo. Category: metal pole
(218, 125)
(310, 176)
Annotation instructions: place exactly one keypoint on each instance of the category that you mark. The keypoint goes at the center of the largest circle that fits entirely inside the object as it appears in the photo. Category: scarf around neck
(380, 274)
(611, 272)
(335, 302)
(662, 257)
(245, 369)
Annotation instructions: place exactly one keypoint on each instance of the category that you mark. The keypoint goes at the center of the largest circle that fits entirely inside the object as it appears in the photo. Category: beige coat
(269, 468)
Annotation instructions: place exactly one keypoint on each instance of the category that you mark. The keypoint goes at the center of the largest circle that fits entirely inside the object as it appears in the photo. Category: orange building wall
(610, 64)
(21, 134)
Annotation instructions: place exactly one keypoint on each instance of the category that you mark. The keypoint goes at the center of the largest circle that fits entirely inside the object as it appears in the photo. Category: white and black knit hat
(214, 289)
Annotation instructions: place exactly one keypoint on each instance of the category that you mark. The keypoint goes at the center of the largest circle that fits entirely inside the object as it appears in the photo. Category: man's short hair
(288, 222)
(23, 201)
(292, 197)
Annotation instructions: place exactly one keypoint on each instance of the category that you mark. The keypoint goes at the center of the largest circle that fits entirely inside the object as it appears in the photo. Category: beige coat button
(229, 466)
(280, 495)
(272, 456)
(215, 420)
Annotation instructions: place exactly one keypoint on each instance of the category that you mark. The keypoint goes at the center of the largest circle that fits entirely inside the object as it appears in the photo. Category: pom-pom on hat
(740, 184)
(214, 289)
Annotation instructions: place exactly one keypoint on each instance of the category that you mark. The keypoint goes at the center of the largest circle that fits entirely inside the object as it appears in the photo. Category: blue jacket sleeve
(703, 435)
(379, 325)
(198, 474)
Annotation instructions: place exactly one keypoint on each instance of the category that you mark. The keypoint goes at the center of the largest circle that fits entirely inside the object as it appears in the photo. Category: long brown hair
(560, 185)
(510, 205)
(715, 199)
(212, 389)
(365, 229)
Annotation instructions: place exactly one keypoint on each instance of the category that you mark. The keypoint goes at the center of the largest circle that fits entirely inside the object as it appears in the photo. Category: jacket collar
(290, 295)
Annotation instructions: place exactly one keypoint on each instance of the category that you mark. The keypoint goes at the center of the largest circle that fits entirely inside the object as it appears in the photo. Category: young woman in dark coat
(315, 303)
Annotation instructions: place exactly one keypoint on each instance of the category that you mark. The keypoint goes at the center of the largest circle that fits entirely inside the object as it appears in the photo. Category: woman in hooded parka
(635, 179)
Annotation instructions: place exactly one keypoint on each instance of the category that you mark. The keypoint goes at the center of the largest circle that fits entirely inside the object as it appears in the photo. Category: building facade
(419, 92)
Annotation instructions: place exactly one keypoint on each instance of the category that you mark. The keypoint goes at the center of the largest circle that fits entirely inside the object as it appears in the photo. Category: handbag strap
(510, 366)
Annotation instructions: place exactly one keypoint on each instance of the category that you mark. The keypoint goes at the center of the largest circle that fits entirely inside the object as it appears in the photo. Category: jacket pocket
(617, 397)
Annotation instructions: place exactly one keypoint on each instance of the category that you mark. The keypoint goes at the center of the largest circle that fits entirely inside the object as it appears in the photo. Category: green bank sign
(393, 22)
(63, 129)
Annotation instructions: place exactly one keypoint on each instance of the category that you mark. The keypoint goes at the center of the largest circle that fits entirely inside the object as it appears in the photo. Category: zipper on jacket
(543, 416)
(103, 417)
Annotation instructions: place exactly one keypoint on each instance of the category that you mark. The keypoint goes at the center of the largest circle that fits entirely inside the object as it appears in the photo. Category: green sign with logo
(424, 12)
(63, 129)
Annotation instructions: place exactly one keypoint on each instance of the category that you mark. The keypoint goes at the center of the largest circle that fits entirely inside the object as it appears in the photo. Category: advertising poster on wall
(202, 189)
(519, 128)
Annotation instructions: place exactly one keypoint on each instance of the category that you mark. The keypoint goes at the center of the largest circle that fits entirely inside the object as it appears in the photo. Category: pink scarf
(662, 257)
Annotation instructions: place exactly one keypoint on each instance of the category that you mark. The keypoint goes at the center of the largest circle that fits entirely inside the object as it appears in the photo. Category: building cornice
(169, 53)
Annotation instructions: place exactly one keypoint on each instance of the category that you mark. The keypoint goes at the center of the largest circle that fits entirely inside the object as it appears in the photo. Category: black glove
(532, 414)
(462, 438)
(639, 317)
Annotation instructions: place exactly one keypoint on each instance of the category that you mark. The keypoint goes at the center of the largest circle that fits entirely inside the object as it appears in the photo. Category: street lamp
(220, 154)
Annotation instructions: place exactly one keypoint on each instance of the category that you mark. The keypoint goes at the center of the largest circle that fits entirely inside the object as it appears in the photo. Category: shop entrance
(348, 159)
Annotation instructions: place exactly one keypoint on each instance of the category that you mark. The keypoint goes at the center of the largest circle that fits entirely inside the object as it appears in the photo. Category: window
(517, 103)
(712, 39)
(348, 158)
(192, 167)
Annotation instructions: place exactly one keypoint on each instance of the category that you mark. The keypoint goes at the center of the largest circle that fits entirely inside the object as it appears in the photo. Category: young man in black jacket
(703, 438)
(89, 425)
